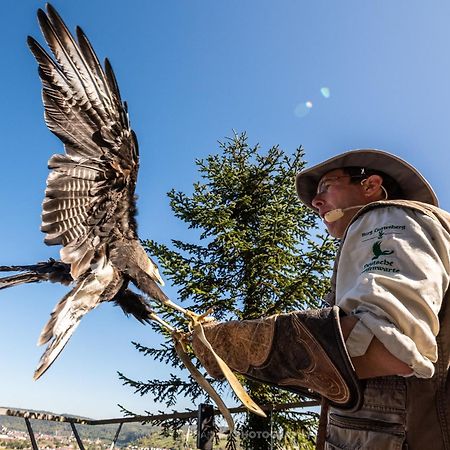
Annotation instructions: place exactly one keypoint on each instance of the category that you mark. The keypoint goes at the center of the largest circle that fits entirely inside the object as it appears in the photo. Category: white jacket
(392, 274)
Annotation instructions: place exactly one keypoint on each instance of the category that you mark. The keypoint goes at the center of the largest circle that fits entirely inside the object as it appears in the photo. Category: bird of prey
(89, 206)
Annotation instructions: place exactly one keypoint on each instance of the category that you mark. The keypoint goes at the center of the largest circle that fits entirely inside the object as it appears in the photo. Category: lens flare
(325, 92)
(303, 109)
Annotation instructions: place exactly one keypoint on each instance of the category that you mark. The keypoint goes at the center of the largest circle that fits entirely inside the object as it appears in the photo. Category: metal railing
(73, 421)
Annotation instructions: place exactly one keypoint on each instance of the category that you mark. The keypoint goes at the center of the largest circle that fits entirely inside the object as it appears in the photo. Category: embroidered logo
(379, 258)
(377, 252)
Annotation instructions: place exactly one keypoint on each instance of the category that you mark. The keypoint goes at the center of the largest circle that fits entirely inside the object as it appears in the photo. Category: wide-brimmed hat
(413, 185)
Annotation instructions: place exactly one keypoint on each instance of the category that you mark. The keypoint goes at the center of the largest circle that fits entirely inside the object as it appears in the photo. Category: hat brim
(412, 183)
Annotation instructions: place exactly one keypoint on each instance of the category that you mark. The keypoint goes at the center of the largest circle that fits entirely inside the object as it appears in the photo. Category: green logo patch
(382, 259)
(377, 252)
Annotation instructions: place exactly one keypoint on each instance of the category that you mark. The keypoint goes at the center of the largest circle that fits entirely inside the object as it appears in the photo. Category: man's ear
(372, 186)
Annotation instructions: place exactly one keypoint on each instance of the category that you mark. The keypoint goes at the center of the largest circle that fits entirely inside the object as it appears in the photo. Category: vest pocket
(352, 433)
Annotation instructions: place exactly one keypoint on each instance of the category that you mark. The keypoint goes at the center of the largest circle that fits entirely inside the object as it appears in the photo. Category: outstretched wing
(89, 200)
(66, 316)
(51, 270)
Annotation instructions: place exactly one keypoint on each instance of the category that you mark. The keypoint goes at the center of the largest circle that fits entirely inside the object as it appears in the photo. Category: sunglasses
(325, 184)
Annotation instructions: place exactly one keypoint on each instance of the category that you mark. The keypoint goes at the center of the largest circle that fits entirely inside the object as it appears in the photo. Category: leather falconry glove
(298, 351)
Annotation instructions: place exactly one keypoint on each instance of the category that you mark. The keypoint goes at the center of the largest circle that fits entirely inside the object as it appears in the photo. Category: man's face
(335, 191)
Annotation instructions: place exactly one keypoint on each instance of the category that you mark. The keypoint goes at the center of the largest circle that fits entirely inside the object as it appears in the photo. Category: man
(390, 284)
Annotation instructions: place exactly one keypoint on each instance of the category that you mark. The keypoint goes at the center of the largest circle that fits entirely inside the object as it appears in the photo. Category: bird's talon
(200, 318)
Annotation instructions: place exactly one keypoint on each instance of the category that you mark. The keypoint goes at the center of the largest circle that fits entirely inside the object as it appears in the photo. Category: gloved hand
(299, 351)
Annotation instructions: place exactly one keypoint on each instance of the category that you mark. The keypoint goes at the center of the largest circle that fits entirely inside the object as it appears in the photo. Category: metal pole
(77, 437)
(30, 432)
(113, 444)
(271, 429)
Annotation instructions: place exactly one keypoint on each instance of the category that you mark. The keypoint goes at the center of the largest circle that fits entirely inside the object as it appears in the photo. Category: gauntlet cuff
(299, 351)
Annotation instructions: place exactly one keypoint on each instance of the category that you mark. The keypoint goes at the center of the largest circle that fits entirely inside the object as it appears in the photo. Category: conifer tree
(258, 252)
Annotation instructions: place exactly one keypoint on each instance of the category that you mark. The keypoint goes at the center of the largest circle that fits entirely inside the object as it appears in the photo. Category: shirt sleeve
(392, 275)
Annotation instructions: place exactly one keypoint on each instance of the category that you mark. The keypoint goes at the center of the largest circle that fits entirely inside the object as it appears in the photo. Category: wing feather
(65, 318)
(64, 204)
(66, 53)
(89, 199)
(95, 66)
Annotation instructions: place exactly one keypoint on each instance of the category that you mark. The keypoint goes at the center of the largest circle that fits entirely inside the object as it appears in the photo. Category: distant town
(55, 432)
(12, 439)
(15, 439)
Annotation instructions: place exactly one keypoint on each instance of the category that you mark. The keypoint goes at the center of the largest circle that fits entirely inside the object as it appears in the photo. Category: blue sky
(192, 72)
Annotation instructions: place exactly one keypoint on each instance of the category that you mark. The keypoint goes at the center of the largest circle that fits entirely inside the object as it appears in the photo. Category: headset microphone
(336, 214)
